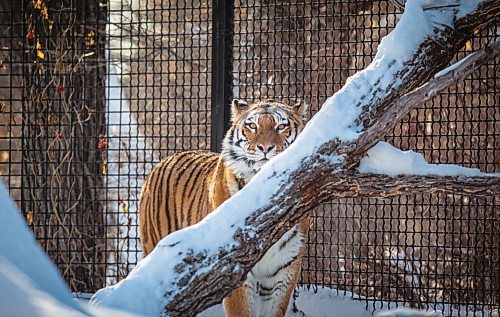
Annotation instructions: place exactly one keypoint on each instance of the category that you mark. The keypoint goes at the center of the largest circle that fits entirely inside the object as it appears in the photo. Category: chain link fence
(94, 93)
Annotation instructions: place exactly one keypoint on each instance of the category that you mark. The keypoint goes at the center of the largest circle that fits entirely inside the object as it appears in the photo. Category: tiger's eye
(252, 125)
(281, 127)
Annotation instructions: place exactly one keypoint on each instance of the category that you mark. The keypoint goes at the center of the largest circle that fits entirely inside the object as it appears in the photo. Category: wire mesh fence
(94, 93)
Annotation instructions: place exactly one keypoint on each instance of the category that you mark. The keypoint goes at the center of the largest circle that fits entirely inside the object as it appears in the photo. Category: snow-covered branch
(197, 267)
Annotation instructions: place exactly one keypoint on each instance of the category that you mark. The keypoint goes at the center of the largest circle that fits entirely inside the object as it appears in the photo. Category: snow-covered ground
(326, 302)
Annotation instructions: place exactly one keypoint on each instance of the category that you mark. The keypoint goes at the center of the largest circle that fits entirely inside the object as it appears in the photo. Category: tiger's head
(260, 131)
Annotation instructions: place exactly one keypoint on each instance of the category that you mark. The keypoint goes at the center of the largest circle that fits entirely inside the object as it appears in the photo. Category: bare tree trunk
(192, 280)
(63, 117)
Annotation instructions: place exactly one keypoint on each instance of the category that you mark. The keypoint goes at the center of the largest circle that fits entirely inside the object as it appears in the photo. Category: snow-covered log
(194, 268)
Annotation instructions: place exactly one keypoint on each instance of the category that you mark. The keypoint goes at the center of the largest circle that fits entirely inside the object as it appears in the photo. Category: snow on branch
(383, 158)
(195, 268)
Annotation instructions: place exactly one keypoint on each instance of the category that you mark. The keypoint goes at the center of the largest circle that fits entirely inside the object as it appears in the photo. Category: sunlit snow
(383, 158)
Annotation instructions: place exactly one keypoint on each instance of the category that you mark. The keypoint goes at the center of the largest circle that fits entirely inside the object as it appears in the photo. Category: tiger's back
(173, 197)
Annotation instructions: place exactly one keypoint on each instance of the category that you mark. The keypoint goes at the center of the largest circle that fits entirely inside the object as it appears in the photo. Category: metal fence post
(222, 80)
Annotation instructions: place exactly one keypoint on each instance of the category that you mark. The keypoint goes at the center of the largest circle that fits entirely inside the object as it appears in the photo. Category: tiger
(185, 187)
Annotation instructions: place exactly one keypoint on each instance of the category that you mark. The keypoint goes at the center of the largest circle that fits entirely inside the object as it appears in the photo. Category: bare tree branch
(353, 184)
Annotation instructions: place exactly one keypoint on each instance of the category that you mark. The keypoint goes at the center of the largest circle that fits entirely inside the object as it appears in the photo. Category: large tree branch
(176, 275)
(353, 184)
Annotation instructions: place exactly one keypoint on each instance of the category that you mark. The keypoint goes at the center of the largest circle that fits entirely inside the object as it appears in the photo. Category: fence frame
(222, 68)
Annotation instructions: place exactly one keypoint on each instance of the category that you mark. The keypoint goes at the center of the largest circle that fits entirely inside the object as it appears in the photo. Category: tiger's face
(259, 132)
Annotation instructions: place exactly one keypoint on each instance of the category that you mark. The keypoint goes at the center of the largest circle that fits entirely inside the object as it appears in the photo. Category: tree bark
(202, 277)
(353, 184)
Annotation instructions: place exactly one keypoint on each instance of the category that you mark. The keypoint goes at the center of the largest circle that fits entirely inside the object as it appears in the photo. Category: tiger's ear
(301, 107)
(237, 107)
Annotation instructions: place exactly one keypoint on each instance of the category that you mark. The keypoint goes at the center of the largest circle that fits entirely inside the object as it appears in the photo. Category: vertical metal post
(222, 44)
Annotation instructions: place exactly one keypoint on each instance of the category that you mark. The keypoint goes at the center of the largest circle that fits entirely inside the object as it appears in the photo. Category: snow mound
(20, 296)
(19, 247)
(383, 158)
(30, 285)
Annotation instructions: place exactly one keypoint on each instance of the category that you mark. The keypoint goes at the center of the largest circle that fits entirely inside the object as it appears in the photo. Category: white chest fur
(268, 280)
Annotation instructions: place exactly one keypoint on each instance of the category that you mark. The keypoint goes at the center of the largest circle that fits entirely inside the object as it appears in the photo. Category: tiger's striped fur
(185, 187)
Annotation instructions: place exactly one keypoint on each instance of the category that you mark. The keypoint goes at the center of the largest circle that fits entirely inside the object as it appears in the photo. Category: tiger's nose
(265, 148)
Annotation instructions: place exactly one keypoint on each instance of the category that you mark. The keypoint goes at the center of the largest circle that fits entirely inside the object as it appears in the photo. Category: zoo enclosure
(94, 93)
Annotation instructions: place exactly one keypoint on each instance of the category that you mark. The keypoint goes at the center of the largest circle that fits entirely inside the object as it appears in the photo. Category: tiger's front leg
(248, 301)
(238, 303)
(269, 285)
(271, 295)
(263, 297)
